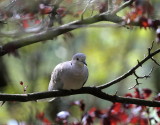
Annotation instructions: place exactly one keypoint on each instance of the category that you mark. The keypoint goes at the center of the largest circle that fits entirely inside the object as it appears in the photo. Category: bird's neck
(78, 67)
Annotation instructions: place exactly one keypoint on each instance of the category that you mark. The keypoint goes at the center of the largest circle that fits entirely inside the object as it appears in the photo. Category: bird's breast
(75, 81)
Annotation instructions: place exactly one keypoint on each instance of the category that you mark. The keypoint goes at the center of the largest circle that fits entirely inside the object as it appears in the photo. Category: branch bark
(130, 72)
(110, 5)
(85, 90)
(95, 91)
(126, 4)
(54, 32)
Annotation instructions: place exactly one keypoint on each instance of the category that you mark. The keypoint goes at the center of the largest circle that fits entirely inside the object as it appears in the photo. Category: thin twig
(130, 72)
(124, 5)
(150, 48)
(149, 52)
(140, 77)
(88, 2)
(2, 103)
(139, 63)
(110, 5)
(155, 61)
(132, 87)
(152, 45)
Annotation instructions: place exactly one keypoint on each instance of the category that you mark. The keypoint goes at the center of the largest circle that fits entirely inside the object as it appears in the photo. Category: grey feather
(70, 74)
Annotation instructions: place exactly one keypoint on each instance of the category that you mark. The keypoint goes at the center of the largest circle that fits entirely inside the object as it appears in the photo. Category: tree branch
(126, 4)
(95, 91)
(140, 77)
(54, 32)
(130, 72)
(110, 5)
(85, 90)
(82, 15)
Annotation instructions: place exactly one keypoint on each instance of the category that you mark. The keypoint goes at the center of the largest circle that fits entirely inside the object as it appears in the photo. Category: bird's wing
(86, 74)
(56, 82)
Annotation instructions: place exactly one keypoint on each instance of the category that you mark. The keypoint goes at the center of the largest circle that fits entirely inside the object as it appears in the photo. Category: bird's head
(79, 59)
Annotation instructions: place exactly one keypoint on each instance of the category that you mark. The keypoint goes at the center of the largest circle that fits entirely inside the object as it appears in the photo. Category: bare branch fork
(140, 77)
(95, 91)
(132, 71)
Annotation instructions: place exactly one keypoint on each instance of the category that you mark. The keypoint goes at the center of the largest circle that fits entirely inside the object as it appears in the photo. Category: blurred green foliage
(110, 51)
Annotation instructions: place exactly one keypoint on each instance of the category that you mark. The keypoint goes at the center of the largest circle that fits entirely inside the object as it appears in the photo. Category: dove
(70, 74)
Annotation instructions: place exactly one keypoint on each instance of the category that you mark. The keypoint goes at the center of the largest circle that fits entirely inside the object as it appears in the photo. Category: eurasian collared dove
(70, 74)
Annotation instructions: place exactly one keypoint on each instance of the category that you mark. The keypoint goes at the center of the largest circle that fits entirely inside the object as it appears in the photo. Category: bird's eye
(77, 59)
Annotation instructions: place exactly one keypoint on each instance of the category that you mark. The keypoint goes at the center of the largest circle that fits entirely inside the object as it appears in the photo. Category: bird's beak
(84, 63)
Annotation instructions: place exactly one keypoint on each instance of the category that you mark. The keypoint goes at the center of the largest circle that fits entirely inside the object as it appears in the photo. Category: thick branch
(130, 72)
(54, 32)
(85, 90)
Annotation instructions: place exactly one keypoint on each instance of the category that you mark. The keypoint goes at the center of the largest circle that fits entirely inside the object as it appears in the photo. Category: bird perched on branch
(70, 74)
